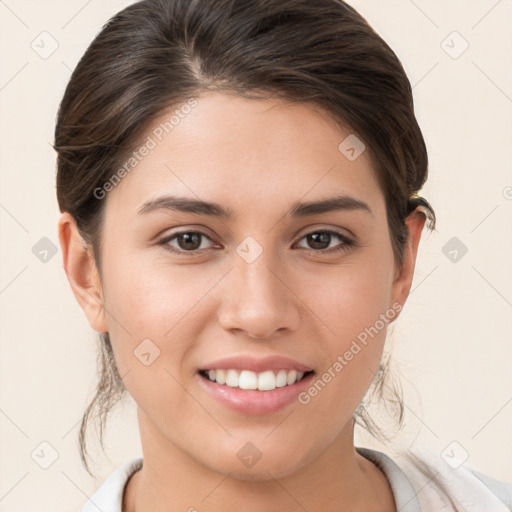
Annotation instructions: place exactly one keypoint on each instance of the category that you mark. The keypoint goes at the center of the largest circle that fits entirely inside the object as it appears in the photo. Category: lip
(254, 402)
(254, 364)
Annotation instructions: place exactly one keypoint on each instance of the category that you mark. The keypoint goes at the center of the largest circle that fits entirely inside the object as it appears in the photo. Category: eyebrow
(298, 209)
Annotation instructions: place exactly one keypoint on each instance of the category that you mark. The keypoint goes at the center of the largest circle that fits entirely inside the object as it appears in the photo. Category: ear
(82, 273)
(404, 276)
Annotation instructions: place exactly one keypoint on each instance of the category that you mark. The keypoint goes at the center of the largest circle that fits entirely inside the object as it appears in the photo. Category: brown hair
(156, 54)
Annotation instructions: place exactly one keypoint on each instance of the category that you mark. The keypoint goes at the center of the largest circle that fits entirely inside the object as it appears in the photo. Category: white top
(469, 490)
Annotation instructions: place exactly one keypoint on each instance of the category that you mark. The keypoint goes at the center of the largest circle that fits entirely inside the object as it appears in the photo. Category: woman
(239, 185)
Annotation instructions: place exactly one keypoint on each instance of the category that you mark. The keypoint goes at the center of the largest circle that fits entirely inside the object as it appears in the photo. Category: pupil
(319, 238)
(191, 240)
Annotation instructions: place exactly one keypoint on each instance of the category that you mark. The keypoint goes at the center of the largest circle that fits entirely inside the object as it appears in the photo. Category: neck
(339, 479)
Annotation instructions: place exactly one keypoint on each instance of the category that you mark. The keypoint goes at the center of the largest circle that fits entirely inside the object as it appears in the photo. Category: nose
(257, 298)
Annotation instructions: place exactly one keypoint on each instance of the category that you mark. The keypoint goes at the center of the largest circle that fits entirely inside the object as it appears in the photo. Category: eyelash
(344, 247)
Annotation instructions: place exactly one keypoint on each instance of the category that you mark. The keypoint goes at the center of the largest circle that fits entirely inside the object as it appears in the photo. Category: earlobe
(82, 273)
(404, 276)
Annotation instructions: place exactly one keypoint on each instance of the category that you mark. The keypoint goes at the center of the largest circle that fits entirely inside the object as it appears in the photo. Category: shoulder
(109, 496)
(445, 484)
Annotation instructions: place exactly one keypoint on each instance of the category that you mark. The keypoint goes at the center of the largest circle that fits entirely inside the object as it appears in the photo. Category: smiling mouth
(261, 381)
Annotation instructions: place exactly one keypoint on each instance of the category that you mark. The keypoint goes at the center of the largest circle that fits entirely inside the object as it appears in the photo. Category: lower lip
(251, 401)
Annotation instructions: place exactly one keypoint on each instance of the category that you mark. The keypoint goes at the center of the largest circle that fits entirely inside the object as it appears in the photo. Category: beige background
(453, 341)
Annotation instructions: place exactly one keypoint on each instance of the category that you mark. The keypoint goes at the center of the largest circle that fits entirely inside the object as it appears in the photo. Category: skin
(255, 157)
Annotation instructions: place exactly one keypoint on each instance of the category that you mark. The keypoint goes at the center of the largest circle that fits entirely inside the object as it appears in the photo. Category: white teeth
(219, 376)
(291, 377)
(266, 381)
(232, 378)
(281, 379)
(246, 379)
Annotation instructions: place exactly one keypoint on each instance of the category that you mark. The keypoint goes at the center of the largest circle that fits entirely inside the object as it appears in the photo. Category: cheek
(355, 310)
(150, 300)
(149, 295)
(150, 326)
(351, 298)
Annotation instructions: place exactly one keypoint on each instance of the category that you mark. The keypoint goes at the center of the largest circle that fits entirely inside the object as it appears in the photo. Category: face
(275, 292)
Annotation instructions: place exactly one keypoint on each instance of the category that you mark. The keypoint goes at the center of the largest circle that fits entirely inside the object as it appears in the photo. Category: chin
(268, 468)
(260, 472)
(251, 476)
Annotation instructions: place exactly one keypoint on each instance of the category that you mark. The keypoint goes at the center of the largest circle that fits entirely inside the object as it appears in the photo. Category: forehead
(248, 153)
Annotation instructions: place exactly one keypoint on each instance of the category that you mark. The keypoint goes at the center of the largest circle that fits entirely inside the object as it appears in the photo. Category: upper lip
(256, 364)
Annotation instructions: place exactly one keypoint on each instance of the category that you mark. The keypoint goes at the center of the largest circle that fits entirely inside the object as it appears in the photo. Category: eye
(321, 240)
(187, 241)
